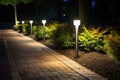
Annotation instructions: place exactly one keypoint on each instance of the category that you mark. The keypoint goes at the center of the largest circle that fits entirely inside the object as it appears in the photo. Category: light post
(44, 22)
(76, 24)
(31, 22)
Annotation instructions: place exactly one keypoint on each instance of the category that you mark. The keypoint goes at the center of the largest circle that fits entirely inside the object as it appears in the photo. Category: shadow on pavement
(4, 64)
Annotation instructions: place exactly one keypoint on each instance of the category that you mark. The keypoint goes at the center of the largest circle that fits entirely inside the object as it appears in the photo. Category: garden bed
(89, 38)
(95, 61)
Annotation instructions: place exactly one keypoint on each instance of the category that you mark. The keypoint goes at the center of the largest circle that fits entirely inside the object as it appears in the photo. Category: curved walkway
(31, 60)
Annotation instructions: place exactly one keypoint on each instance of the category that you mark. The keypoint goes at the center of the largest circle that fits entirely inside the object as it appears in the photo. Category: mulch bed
(98, 62)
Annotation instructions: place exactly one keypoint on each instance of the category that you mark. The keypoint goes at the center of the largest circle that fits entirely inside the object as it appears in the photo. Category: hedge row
(63, 35)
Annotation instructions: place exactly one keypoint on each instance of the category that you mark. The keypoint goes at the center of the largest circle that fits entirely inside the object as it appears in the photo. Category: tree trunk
(15, 12)
(84, 10)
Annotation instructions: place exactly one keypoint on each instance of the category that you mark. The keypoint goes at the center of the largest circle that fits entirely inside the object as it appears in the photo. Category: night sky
(6, 14)
(24, 11)
(100, 11)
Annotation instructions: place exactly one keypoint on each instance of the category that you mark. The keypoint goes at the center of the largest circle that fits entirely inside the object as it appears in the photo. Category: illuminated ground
(97, 62)
(30, 60)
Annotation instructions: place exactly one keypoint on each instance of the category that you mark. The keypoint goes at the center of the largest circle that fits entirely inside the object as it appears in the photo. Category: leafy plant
(62, 35)
(48, 32)
(34, 29)
(27, 26)
(91, 39)
(14, 4)
(112, 45)
(39, 32)
(23, 28)
(16, 27)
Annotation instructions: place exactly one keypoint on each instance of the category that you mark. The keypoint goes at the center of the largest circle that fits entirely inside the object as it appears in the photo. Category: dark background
(92, 12)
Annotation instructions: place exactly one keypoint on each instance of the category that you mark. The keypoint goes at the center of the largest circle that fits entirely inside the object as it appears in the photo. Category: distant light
(31, 21)
(63, 14)
(43, 21)
(111, 7)
(65, 0)
(23, 22)
(93, 4)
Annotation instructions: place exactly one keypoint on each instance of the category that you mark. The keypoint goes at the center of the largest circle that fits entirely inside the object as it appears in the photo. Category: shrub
(112, 45)
(62, 35)
(53, 26)
(22, 28)
(16, 27)
(27, 26)
(48, 32)
(38, 31)
(91, 39)
(34, 29)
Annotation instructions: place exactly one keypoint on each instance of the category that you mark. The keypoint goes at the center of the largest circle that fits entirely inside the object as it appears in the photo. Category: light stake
(76, 24)
(31, 22)
(44, 22)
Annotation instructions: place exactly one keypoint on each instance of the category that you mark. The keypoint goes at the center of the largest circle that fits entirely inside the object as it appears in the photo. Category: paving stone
(35, 61)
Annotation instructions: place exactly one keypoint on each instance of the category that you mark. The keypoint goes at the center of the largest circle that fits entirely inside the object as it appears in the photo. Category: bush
(27, 26)
(16, 27)
(112, 45)
(34, 29)
(38, 32)
(91, 39)
(62, 35)
(23, 28)
(48, 32)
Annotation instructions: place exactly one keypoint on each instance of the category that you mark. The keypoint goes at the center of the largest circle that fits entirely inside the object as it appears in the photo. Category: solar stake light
(44, 22)
(23, 22)
(31, 22)
(76, 23)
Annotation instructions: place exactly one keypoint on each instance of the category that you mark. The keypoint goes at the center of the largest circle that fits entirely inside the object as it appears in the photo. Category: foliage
(53, 26)
(38, 32)
(16, 27)
(27, 27)
(91, 39)
(23, 28)
(112, 45)
(14, 4)
(34, 29)
(48, 32)
(62, 35)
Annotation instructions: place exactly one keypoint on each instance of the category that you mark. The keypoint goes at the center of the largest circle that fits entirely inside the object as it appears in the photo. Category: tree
(84, 10)
(14, 4)
(49, 9)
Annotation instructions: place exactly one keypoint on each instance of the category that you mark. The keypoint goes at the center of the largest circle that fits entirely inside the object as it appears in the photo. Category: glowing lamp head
(23, 22)
(31, 21)
(76, 22)
(44, 21)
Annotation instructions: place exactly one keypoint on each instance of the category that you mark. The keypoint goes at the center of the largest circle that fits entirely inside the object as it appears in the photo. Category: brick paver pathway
(31, 60)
